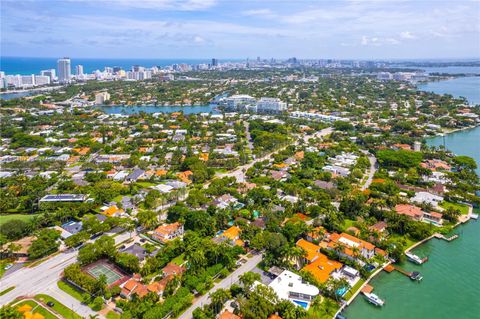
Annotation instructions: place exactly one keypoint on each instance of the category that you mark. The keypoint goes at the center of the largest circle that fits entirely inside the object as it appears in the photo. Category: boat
(374, 299)
(415, 275)
(415, 259)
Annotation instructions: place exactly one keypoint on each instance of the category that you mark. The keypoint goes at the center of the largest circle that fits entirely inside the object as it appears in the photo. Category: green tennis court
(102, 269)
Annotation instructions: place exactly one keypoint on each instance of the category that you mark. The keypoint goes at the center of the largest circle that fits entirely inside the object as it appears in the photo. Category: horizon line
(241, 58)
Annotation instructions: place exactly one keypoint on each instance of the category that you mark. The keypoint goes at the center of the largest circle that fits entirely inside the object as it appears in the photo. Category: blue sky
(241, 28)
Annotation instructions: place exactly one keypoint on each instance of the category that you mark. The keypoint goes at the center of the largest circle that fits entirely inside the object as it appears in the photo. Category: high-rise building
(50, 73)
(42, 80)
(271, 105)
(101, 98)
(64, 69)
(214, 62)
(79, 69)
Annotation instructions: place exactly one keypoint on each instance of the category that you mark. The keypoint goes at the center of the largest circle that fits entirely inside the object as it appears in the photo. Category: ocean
(26, 66)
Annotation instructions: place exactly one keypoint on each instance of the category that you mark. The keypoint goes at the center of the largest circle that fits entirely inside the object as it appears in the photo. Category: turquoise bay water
(449, 288)
(451, 277)
(465, 142)
(468, 87)
(119, 109)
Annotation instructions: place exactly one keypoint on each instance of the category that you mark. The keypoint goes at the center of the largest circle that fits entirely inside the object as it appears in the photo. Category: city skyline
(222, 29)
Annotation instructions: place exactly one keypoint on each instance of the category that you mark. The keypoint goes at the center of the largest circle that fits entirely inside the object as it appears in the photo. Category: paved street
(371, 171)
(224, 284)
(43, 279)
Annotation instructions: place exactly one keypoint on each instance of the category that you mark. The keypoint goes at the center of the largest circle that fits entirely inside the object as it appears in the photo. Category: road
(239, 172)
(371, 171)
(43, 278)
(224, 284)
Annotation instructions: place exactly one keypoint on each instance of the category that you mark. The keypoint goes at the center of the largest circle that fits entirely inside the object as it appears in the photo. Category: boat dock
(441, 236)
(367, 289)
(414, 275)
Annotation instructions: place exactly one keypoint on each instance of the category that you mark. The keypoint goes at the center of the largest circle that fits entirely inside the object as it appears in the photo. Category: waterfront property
(290, 286)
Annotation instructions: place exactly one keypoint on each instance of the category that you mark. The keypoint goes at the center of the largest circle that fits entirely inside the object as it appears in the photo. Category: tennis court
(103, 269)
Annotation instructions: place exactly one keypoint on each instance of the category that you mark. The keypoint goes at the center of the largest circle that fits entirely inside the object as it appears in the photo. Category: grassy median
(58, 307)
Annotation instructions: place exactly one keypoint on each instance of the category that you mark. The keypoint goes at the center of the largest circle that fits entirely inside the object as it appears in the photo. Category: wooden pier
(412, 275)
(441, 236)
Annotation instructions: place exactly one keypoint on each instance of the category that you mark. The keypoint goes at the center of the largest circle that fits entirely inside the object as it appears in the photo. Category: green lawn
(9, 217)
(37, 308)
(347, 223)
(408, 241)
(354, 289)
(145, 184)
(3, 292)
(461, 207)
(117, 198)
(71, 290)
(3, 264)
(113, 315)
(64, 311)
(179, 260)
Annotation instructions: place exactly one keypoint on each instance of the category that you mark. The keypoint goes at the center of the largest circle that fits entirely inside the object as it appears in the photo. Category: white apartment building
(271, 105)
(51, 73)
(235, 102)
(101, 98)
(384, 76)
(42, 80)
(79, 70)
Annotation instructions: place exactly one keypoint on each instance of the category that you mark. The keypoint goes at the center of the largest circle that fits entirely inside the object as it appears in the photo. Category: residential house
(427, 198)
(172, 269)
(290, 286)
(224, 201)
(136, 250)
(233, 236)
(135, 175)
(228, 315)
(113, 211)
(168, 232)
(350, 246)
(185, 177)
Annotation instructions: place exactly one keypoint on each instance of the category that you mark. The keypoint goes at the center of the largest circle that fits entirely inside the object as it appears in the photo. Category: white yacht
(374, 299)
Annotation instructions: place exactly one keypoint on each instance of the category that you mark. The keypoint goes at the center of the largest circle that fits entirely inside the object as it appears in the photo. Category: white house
(290, 286)
(428, 198)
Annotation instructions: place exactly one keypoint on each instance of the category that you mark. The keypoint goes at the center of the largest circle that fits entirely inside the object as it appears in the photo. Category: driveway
(224, 284)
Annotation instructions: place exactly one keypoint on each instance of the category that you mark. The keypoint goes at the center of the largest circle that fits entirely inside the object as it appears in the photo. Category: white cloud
(407, 35)
(259, 13)
(180, 5)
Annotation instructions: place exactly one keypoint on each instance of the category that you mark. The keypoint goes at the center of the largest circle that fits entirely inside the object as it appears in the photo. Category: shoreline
(413, 246)
(40, 89)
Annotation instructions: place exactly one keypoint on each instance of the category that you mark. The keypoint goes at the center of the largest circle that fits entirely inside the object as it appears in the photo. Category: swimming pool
(342, 291)
(302, 304)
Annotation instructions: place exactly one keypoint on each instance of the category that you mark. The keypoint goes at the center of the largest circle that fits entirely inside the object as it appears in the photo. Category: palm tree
(218, 298)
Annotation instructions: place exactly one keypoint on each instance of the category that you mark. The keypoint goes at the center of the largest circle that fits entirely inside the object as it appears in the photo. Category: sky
(340, 29)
